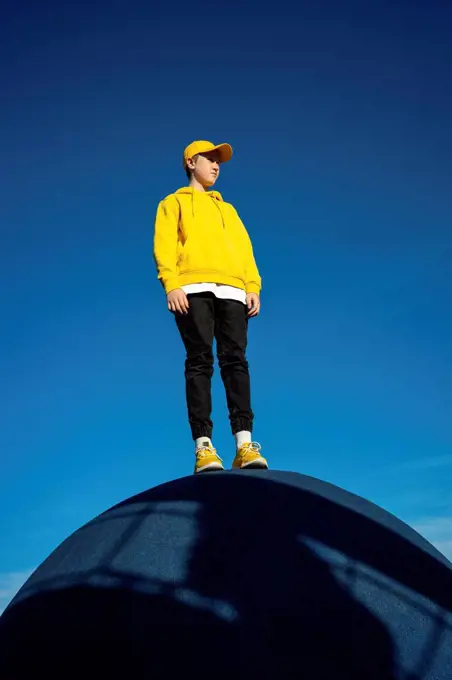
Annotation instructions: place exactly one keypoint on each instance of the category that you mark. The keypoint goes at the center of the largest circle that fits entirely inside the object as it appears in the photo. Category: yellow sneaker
(249, 456)
(207, 459)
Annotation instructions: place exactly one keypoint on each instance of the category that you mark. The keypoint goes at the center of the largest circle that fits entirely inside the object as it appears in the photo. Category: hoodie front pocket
(193, 256)
(184, 259)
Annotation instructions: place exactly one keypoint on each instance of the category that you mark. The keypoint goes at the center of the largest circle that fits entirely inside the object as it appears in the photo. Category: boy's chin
(209, 183)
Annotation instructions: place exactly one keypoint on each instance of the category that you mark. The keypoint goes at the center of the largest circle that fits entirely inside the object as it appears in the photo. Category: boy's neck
(197, 186)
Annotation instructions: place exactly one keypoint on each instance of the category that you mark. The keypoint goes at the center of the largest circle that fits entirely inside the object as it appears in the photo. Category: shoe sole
(210, 467)
(254, 465)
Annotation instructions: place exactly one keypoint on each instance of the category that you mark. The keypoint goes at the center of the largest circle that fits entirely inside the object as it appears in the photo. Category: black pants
(227, 321)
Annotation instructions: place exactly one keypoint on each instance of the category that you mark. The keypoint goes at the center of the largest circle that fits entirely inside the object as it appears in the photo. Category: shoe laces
(203, 451)
(253, 446)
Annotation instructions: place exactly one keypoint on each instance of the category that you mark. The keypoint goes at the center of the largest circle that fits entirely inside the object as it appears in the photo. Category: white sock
(202, 441)
(242, 437)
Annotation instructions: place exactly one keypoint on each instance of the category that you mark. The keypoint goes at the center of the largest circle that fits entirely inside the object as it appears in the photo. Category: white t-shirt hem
(218, 289)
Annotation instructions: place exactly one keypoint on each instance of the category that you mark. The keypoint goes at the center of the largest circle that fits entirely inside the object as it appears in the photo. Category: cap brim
(225, 151)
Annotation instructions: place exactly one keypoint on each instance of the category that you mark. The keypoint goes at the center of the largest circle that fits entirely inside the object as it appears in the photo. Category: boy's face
(206, 168)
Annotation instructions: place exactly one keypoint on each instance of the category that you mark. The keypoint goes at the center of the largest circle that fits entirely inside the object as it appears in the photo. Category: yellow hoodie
(199, 238)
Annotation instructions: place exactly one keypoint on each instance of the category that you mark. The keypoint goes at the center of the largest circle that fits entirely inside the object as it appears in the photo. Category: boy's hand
(253, 303)
(178, 301)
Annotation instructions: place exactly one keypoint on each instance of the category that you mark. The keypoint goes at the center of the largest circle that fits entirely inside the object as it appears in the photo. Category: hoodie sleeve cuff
(171, 284)
(253, 288)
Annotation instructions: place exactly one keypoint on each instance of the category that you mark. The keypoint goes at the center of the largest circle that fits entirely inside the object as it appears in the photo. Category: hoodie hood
(218, 198)
(190, 190)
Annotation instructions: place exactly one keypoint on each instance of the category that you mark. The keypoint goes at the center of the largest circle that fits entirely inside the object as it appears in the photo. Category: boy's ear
(191, 162)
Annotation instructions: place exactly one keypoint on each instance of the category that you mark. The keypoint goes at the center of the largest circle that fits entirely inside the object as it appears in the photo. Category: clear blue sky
(339, 115)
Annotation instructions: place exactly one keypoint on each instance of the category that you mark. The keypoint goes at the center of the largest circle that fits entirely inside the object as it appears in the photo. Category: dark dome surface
(258, 574)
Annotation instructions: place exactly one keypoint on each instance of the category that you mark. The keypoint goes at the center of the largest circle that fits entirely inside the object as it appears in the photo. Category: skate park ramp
(255, 574)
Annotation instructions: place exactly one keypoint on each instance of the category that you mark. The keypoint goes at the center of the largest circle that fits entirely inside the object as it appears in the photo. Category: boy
(206, 265)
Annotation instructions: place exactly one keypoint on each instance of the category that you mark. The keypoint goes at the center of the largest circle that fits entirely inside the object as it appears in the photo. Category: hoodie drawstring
(221, 212)
(214, 199)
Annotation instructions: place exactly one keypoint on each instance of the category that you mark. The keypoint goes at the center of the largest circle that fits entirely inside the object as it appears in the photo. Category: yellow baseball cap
(203, 147)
